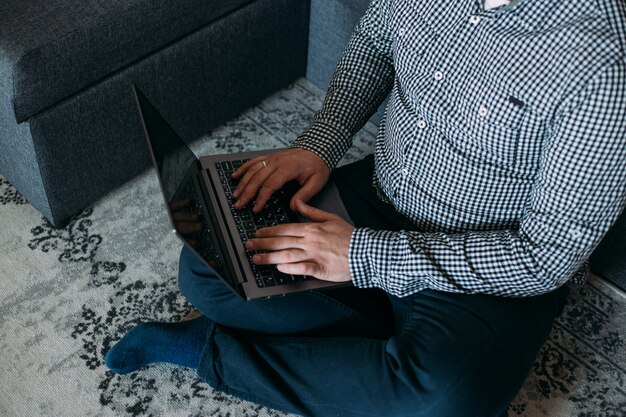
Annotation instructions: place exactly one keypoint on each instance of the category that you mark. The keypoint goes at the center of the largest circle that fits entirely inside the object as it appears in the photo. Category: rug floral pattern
(69, 294)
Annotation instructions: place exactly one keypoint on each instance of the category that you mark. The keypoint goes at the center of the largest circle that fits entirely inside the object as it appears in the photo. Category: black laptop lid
(171, 155)
(177, 171)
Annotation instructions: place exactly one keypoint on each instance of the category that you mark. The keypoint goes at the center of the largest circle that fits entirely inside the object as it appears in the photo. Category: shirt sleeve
(579, 192)
(361, 81)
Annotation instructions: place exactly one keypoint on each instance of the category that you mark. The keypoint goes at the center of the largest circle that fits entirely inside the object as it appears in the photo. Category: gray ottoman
(68, 129)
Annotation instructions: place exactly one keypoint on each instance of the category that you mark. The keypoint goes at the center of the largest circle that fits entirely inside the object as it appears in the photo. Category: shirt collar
(504, 9)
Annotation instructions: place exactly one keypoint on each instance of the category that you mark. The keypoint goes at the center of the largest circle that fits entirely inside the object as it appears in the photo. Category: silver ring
(264, 164)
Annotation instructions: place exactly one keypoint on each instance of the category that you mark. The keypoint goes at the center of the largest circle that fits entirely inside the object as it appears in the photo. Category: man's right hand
(265, 174)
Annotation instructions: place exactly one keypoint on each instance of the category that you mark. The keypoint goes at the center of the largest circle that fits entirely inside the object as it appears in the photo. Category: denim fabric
(328, 354)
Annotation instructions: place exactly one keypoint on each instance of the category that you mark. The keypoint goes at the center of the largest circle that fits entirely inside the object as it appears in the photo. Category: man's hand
(319, 249)
(266, 174)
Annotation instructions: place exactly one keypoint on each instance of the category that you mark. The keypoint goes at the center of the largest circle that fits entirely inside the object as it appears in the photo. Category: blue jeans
(355, 352)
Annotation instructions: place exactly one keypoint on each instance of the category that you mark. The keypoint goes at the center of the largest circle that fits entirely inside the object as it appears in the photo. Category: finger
(271, 184)
(244, 168)
(247, 176)
(280, 257)
(274, 243)
(287, 229)
(313, 213)
(311, 186)
(300, 268)
(177, 205)
(250, 184)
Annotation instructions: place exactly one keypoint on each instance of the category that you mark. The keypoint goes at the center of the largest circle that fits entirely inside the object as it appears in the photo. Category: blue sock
(177, 343)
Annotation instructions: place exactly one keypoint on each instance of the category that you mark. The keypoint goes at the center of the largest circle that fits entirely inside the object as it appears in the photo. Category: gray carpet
(66, 295)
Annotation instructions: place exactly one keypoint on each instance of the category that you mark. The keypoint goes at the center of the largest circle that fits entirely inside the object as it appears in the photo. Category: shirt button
(405, 172)
(482, 111)
(438, 75)
(474, 20)
(575, 233)
(421, 124)
(375, 280)
(401, 32)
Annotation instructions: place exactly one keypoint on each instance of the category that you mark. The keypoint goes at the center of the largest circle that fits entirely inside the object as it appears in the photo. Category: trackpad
(328, 199)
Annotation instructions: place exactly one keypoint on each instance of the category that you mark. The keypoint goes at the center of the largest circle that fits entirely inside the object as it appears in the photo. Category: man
(499, 166)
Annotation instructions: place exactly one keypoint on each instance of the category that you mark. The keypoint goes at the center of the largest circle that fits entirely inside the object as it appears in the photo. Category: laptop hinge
(226, 237)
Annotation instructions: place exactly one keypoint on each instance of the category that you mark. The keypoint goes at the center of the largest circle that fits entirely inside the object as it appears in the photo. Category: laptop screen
(177, 170)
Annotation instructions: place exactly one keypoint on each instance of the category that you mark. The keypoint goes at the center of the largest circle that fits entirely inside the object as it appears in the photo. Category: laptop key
(265, 270)
(276, 212)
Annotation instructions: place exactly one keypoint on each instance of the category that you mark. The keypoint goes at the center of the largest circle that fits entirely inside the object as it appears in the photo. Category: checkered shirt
(503, 141)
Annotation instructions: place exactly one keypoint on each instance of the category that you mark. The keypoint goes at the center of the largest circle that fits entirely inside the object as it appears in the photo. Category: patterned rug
(67, 295)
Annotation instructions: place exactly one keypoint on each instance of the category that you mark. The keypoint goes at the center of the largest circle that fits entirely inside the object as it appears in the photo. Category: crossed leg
(452, 355)
(353, 352)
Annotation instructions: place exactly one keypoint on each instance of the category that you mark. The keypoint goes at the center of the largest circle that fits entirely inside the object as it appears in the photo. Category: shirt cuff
(385, 259)
(365, 246)
(324, 140)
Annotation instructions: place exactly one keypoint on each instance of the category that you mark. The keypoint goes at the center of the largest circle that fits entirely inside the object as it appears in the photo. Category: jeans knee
(186, 275)
(201, 287)
(442, 382)
(193, 275)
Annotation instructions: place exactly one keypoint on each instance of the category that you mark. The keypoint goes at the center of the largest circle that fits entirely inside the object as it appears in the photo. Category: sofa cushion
(331, 26)
(51, 49)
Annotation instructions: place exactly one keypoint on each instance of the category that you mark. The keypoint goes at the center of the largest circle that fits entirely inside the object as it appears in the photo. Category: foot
(177, 343)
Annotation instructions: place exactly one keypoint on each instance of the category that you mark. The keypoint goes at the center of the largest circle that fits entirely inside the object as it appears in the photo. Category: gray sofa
(69, 132)
(331, 24)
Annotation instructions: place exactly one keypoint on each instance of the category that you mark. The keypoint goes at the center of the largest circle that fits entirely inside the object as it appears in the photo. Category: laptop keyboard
(276, 211)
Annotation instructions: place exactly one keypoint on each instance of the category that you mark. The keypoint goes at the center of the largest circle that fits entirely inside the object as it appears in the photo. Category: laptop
(203, 186)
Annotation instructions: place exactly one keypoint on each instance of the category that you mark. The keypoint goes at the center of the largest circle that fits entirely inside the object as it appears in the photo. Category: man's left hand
(319, 249)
